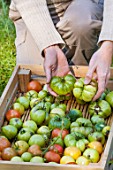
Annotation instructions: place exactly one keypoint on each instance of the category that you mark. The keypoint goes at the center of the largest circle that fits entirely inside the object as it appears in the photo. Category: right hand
(55, 64)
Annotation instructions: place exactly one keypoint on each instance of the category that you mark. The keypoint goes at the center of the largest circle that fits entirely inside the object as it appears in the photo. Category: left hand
(100, 64)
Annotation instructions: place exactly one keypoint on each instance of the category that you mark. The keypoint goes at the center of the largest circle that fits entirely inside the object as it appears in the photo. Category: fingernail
(86, 81)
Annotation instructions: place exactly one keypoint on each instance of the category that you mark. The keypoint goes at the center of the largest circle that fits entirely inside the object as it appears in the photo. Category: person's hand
(55, 64)
(100, 64)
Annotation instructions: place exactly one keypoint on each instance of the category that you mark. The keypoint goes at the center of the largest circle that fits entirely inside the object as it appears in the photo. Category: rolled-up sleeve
(36, 16)
(107, 26)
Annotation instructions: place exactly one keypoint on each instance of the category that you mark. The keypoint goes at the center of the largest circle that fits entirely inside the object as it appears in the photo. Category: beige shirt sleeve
(107, 26)
(36, 16)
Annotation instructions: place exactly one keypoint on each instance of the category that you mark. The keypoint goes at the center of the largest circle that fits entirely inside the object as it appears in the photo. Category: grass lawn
(7, 47)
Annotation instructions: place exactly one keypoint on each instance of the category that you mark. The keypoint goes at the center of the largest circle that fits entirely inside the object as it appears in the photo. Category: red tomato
(35, 150)
(4, 143)
(57, 132)
(57, 148)
(12, 114)
(52, 156)
(8, 153)
(34, 85)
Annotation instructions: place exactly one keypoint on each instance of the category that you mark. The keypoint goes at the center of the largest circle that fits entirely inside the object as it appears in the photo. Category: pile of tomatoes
(51, 134)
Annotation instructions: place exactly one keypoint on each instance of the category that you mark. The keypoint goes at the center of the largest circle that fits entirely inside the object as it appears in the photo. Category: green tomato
(99, 126)
(58, 140)
(92, 155)
(84, 122)
(57, 111)
(20, 147)
(31, 94)
(24, 101)
(102, 97)
(85, 92)
(59, 122)
(37, 159)
(9, 131)
(62, 106)
(24, 134)
(80, 101)
(80, 145)
(60, 98)
(17, 122)
(78, 135)
(109, 98)
(38, 116)
(49, 98)
(82, 160)
(62, 85)
(34, 102)
(16, 159)
(19, 107)
(101, 108)
(106, 130)
(69, 140)
(54, 105)
(30, 124)
(44, 130)
(74, 114)
(39, 106)
(26, 156)
(42, 94)
(97, 118)
(45, 87)
(96, 136)
(83, 130)
(82, 125)
(37, 139)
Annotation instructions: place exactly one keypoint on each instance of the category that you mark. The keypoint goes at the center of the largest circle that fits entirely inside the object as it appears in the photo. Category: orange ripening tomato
(34, 85)
(12, 114)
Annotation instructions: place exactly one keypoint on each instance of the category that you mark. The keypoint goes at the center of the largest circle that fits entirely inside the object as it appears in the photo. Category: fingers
(102, 83)
(50, 91)
(101, 87)
(89, 75)
(48, 74)
(107, 78)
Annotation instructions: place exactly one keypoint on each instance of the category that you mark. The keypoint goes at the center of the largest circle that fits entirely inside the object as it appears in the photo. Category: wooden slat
(80, 71)
(35, 69)
(7, 165)
(24, 76)
(8, 94)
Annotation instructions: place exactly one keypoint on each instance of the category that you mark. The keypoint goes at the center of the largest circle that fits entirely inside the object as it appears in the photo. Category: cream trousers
(79, 24)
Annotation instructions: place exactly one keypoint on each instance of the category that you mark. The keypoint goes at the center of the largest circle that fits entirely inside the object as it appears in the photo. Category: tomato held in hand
(12, 114)
(62, 85)
(34, 85)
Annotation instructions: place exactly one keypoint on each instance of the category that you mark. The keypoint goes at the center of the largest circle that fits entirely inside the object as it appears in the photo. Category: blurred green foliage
(7, 47)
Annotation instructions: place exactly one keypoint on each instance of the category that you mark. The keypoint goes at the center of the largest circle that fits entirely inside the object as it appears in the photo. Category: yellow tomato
(82, 161)
(66, 160)
(72, 151)
(96, 145)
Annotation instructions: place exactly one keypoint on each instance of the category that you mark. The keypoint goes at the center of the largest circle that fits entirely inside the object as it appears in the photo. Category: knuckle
(89, 75)
(100, 91)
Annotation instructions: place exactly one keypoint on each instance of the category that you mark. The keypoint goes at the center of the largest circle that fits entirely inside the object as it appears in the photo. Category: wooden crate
(20, 77)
